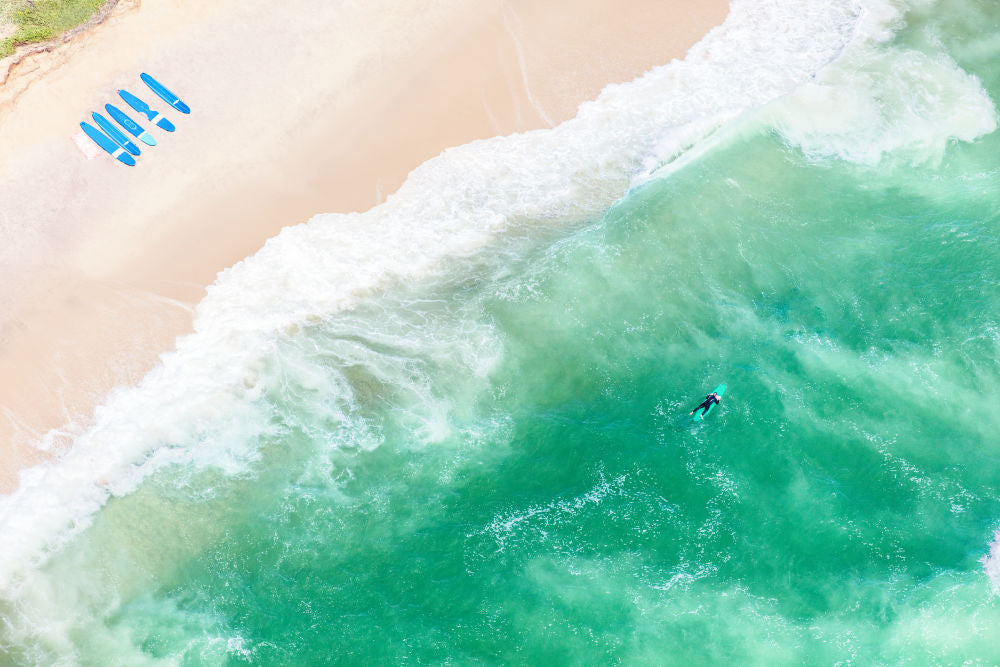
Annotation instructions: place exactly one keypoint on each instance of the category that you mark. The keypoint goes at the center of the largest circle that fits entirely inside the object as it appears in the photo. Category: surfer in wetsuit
(707, 403)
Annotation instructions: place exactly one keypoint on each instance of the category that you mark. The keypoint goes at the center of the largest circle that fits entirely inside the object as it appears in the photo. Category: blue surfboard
(164, 93)
(115, 134)
(133, 127)
(111, 147)
(720, 390)
(143, 108)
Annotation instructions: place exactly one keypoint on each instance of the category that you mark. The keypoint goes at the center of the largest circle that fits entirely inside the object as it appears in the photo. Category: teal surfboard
(720, 390)
(105, 142)
(164, 93)
(133, 127)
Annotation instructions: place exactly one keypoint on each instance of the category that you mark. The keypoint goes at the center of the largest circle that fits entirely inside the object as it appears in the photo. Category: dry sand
(298, 108)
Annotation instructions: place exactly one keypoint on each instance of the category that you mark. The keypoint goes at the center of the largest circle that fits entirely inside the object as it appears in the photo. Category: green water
(514, 478)
(833, 508)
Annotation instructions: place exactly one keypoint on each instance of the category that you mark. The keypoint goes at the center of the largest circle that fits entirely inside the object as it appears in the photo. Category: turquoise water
(493, 464)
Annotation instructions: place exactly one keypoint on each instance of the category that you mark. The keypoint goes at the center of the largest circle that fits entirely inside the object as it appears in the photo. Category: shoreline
(110, 262)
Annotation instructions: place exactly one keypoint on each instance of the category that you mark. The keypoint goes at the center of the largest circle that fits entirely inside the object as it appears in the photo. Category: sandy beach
(297, 110)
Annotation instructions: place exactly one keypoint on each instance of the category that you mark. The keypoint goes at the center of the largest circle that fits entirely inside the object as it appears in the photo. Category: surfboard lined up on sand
(113, 140)
(115, 134)
(153, 116)
(107, 144)
(164, 93)
(133, 127)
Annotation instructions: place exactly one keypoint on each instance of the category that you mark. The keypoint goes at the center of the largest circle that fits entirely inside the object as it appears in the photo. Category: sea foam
(893, 100)
(201, 406)
(991, 563)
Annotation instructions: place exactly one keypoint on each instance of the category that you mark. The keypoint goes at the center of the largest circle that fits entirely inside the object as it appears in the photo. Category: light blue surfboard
(720, 390)
(133, 127)
(111, 147)
(143, 108)
(164, 93)
(115, 134)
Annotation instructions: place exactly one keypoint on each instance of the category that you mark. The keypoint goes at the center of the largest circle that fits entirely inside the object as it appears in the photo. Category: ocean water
(453, 429)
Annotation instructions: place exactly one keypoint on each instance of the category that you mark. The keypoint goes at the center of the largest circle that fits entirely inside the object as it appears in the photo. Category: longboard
(111, 147)
(720, 390)
(143, 108)
(164, 93)
(133, 127)
(115, 134)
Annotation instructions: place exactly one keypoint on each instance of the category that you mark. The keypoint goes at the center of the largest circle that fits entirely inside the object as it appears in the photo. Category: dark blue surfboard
(133, 127)
(164, 93)
(115, 134)
(143, 108)
(111, 147)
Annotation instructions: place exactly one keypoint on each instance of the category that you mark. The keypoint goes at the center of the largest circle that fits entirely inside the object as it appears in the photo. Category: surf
(500, 187)
(345, 317)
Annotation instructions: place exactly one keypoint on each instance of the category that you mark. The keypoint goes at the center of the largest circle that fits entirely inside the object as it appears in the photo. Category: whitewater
(451, 428)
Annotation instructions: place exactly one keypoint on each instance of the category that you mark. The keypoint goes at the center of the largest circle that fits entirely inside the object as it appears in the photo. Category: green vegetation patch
(40, 20)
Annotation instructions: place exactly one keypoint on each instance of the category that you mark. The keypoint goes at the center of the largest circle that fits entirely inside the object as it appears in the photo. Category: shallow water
(489, 459)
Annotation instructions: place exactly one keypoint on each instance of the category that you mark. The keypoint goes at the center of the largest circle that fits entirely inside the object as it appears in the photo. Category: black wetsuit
(709, 400)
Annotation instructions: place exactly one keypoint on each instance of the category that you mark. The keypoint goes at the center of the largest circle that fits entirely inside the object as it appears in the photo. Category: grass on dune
(39, 20)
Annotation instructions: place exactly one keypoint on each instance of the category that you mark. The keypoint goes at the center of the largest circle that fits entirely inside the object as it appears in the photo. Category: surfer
(709, 401)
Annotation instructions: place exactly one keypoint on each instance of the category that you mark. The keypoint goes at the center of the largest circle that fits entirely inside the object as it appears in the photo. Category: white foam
(991, 563)
(205, 403)
(879, 100)
(537, 520)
